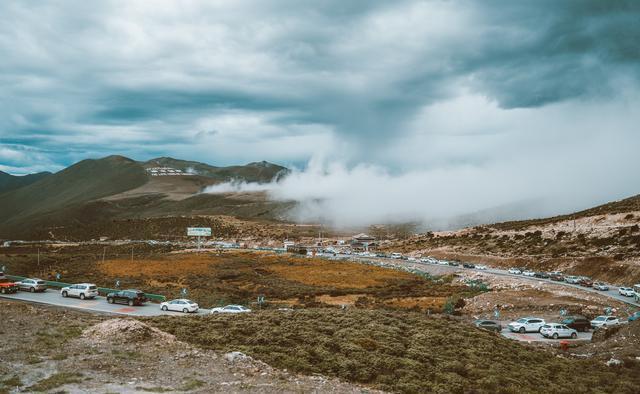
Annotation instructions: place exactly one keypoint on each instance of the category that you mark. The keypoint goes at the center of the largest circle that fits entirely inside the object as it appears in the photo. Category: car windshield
(521, 320)
(600, 318)
(567, 321)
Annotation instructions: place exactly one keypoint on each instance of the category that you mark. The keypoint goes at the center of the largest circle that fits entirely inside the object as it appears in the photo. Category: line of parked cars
(567, 328)
(131, 297)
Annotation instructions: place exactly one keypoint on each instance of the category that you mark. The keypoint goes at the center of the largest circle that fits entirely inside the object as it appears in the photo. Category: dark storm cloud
(460, 87)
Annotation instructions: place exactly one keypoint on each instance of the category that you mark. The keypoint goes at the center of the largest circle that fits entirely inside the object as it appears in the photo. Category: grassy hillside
(400, 352)
(84, 200)
(10, 182)
(85, 181)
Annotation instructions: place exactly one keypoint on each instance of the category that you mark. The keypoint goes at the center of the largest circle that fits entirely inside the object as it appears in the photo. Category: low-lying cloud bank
(466, 157)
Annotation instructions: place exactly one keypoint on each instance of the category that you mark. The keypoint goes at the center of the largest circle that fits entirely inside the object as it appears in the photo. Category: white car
(231, 309)
(555, 331)
(396, 255)
(626, 291)
(529, 273)
(80, 290)
(443, 262)
(481, 267)
(514, 271)
(526, 324)
(180, 305)
(604, 321)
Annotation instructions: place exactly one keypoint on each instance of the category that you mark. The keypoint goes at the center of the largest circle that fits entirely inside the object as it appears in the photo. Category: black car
(467, 265)
(578, 323)
(542, 275)
(129, 297)
(488, 325)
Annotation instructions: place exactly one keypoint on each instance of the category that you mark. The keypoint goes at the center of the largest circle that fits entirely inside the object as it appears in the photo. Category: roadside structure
(363, 242)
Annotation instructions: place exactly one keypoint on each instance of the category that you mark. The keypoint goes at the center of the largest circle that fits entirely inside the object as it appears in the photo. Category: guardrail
(101, 290)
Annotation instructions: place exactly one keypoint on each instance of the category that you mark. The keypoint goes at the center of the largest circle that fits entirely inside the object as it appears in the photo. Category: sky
(438, 108)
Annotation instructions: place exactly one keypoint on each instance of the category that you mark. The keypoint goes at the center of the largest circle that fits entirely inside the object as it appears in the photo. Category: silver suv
(32, 285)
(80, 290)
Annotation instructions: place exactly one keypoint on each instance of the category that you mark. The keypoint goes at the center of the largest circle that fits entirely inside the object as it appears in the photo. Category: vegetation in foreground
(400, 351)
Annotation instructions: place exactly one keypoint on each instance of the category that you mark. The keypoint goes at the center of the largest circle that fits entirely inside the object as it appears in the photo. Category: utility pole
(104, 252)
(132, 253)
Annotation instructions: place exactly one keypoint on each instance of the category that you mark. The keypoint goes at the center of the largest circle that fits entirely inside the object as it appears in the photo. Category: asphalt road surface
(97, 305)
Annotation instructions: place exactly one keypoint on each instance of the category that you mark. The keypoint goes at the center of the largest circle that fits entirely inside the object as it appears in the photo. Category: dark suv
(578, 323)
(129, 297)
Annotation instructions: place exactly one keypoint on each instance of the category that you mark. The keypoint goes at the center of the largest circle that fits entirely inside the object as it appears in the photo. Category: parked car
(32, 285)
(600, 286)
(541, 275)
(180, 305)
(572, 279)
(231, 309)
(489, 325)
(526, 324)
(579, 323)
(515, 271)
(626, 291)
(129, 297)
(80, 290)
(396, 255)
(555, 331)
(468, 265)
(604, 321)
(454, 263)
(634, 317)
(529, 273)
(7, 287)
(556, 276)
(585, 281)
(481, 267)
(443, 262)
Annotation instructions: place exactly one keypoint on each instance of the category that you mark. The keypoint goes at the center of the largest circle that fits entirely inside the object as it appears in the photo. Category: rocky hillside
(603, 242)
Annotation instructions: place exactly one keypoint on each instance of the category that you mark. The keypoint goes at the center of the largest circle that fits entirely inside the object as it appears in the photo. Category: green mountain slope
(10, 182)
(84, 181)
(87, 196)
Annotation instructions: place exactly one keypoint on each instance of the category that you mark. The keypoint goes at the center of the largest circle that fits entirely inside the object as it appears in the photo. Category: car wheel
(110, 300)
(522, 330)
(130, 302)
(164, 308)
(185, 310)
(64, 294)
(82, 296)
(574, 335)
(555, 335)
(31, 289)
